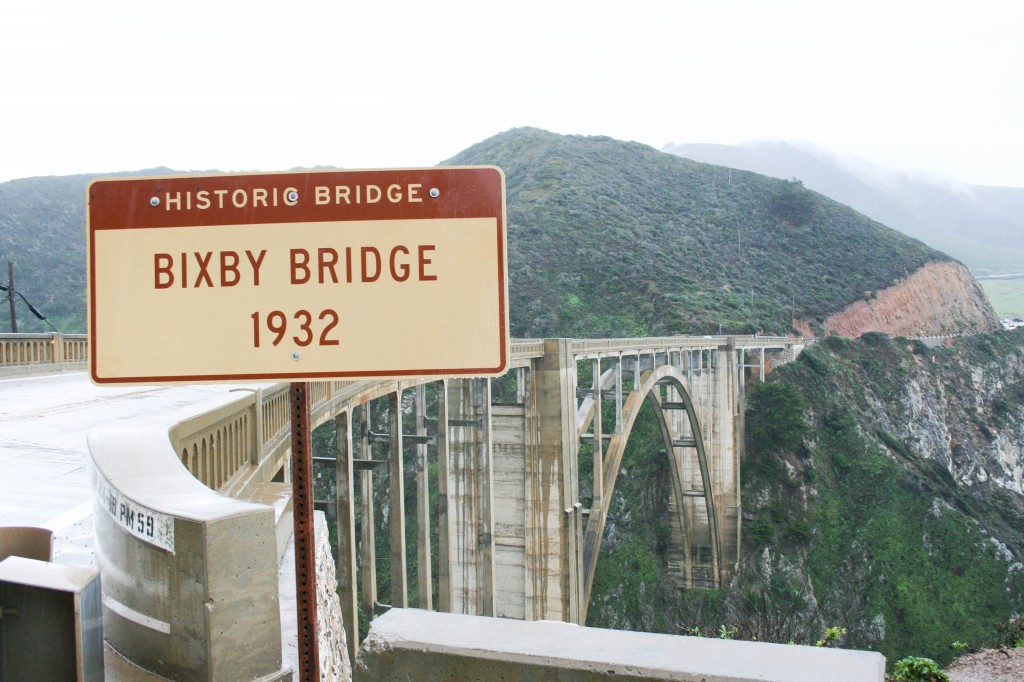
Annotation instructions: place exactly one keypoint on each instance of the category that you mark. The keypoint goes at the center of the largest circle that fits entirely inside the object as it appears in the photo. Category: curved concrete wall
(189, 576)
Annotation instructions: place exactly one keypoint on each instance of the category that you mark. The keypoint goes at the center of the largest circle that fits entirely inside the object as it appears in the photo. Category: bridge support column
(346, 557)
(367, 540)
(553, 513)
(510, 434)
(468, 497)
(396, 495)
(424, 578)
(726, 454)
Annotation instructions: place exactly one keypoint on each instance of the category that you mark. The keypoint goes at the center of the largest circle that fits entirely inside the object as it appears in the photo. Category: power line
(11, 291)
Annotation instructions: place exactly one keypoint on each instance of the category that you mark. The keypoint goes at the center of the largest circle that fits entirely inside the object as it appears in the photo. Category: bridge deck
(44, 476)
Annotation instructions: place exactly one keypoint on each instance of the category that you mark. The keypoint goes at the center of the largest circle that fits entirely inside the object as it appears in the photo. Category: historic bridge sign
(298, 276)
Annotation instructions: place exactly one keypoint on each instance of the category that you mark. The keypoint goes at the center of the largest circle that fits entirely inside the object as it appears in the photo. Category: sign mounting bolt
(296, 355)
(434, 192)
(154, 201)
(293, 196)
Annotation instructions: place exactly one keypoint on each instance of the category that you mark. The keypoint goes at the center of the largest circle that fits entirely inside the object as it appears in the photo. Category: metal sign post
(305, 540)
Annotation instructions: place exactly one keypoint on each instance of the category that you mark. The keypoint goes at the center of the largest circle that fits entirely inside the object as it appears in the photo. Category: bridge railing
(41, 349)
(242, 443)
(239, 446)
(21, 350)
(672, 342)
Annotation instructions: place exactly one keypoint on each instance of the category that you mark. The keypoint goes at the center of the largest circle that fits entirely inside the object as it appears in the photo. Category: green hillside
(606, 238)
(610, 238)
(979, 226)
(42, 231)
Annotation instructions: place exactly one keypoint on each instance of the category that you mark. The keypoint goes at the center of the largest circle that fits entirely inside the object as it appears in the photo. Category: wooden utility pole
(10, 296)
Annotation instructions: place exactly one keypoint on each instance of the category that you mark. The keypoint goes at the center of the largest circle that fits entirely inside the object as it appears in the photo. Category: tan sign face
(296, 276)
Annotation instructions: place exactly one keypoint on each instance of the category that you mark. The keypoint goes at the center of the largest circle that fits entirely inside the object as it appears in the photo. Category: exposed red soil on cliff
(939, 299)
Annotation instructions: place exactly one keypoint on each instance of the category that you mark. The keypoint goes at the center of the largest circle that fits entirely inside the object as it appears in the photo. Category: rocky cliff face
(899, 512)
(972, 421)
(938, 299)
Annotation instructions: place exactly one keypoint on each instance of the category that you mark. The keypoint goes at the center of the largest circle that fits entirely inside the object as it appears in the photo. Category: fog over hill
(981, 226)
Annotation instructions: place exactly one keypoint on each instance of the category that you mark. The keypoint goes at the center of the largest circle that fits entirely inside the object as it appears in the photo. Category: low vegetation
(918, 669)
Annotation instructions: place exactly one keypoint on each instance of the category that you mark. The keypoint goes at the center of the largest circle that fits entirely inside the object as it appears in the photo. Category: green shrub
(775, 418)
(761, 530)
(961, 647)
(832, 637)
(916, 669)
(1011, 635)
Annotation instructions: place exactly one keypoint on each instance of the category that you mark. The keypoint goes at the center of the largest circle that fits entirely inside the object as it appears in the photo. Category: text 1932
(306, 328)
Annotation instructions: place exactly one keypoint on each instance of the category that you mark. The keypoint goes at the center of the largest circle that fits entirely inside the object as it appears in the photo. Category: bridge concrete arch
(664, 389)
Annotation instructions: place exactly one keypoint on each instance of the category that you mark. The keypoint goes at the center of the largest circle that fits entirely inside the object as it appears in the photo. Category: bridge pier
(367, 524)
(730, 412)
(346, 558)
(538, 510)
(396, 502)
(424, 573)
(467, 497)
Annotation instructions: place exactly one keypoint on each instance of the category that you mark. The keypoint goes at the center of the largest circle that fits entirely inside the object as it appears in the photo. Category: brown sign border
(465, 192)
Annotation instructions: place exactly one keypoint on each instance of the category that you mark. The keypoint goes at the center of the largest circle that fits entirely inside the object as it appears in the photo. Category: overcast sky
(111, 85)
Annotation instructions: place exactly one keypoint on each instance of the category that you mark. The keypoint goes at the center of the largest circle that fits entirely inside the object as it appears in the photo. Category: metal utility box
(52, 623)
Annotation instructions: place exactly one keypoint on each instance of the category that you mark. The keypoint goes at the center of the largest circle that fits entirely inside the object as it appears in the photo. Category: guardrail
(22, 350)
(244, 442)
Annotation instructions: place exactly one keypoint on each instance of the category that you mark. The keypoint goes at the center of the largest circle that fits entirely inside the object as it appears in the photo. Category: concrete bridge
(516, 521)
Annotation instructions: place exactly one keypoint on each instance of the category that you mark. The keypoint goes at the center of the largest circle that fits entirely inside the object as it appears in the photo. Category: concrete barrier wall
(38, 353)
(189, 576)
(408, 644)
